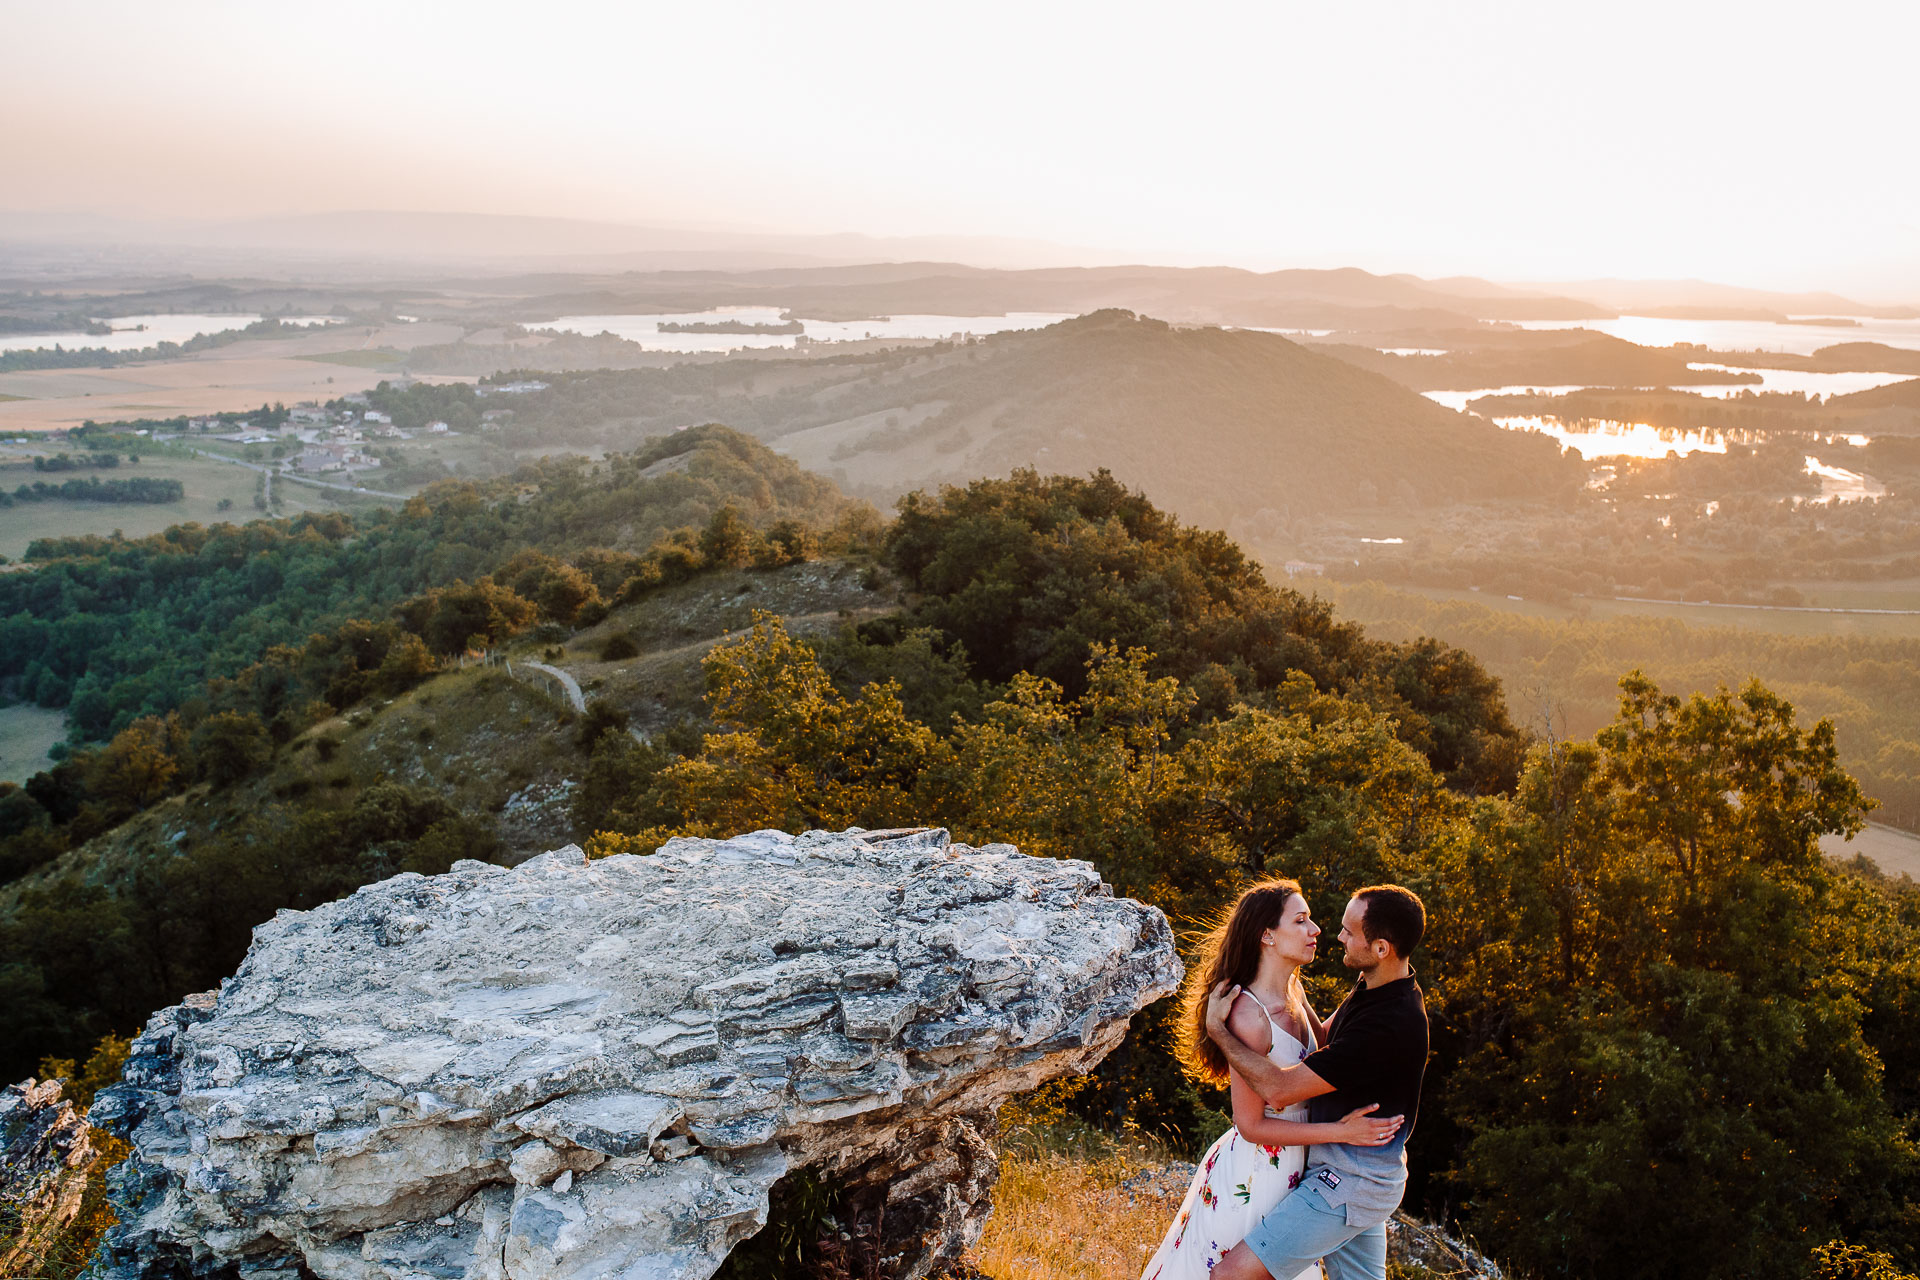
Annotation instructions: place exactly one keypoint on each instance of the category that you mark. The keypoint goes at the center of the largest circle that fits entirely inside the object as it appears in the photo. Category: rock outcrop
(601, 1069)
(49, 1156)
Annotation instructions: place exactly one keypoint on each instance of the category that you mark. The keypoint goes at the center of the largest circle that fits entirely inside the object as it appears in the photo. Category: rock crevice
(601, 1069)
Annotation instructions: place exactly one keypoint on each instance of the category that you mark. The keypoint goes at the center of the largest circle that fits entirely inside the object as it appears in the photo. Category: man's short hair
(1395, 914)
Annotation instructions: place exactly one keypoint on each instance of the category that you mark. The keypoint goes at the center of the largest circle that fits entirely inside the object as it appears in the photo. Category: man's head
(1382, 922)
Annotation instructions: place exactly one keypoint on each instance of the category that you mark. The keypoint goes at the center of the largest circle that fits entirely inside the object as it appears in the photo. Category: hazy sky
(1765, 144)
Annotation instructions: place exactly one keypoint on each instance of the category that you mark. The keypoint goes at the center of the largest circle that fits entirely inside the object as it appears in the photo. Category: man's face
(1360, 953)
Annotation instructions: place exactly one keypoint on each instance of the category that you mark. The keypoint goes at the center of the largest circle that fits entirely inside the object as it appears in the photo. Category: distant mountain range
(1346, 298)
(1706, 300)
(584, 264)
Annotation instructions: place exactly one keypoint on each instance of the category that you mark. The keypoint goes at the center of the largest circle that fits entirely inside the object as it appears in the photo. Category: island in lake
(728, 326)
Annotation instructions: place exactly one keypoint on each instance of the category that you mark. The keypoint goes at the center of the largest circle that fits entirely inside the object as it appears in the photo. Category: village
(335, 438)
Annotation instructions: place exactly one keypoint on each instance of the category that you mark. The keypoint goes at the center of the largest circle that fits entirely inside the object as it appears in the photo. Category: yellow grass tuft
(1060, 1216)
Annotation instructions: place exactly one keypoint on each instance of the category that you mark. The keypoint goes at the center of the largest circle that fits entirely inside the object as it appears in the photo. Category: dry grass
(1074, 1202)
(1057, 1216)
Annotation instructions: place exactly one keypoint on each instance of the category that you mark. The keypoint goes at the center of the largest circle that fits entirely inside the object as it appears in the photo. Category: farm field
(207, 482)
(26, 732)
(242, 376)
(1786, 622)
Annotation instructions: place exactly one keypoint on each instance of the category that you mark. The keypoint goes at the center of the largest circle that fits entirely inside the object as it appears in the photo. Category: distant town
(334, 436)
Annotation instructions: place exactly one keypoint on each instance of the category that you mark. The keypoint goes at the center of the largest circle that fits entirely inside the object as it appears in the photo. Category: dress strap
(1273, 1028)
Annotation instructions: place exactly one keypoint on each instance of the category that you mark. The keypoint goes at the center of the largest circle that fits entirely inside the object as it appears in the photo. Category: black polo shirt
(1376, 1051)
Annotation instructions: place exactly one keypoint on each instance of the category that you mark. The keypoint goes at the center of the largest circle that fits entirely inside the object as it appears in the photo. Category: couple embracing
(1316, 1161)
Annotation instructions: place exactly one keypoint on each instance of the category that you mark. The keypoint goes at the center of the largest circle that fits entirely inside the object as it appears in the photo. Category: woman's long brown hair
(1230, 952)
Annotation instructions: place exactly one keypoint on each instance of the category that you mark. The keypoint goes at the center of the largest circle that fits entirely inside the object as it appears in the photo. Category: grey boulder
(573, 1069)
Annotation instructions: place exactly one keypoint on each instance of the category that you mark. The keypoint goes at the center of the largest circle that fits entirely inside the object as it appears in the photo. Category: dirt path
(575, 699)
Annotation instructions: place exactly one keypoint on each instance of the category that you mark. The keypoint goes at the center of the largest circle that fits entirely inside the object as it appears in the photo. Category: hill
(112, 628)
(1215, 425)
(387, 746)
(1526, 358)
(1896, 395)
(1217, 729)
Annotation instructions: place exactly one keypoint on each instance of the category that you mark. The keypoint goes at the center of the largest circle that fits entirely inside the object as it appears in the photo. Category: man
(1374, 1051)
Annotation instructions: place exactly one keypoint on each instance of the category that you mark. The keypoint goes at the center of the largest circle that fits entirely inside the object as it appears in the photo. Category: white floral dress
(1238, 1183)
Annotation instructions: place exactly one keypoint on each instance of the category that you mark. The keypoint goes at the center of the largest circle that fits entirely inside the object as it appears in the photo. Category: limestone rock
(47, 1153)
(585, 1070)
(1421, 1247)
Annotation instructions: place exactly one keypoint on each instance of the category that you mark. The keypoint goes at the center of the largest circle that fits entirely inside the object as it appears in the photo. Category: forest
(94, 489)
(1639, 960)
(1563, 672)
(113, 629)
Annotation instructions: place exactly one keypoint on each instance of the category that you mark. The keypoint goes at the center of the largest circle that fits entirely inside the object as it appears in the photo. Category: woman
(1260, 945)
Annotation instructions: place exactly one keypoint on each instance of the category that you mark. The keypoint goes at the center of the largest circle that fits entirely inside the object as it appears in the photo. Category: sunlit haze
(1748, 144)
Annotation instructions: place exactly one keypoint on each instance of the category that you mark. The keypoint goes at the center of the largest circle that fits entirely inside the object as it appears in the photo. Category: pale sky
(1760, 144)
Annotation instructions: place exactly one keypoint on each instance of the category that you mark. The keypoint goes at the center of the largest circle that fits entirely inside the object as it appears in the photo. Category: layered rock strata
(48, 1153)
(574, 1069)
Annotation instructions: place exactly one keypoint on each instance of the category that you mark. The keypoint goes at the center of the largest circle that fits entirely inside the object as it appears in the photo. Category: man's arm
(1280, 1086)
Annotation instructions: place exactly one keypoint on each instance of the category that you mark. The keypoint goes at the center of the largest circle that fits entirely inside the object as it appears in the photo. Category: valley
(1191, 603)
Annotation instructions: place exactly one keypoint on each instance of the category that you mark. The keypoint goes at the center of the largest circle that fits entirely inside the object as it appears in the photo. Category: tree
(451, 618)
(229, 746)
(406, 664)
(138, 767)
(1641, 967)
(792, 752)
(727, 540)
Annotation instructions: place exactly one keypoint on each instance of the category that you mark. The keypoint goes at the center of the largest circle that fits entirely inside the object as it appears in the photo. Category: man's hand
(1219, 1005)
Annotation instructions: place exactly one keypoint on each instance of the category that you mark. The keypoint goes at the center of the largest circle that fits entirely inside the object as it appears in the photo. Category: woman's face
(1295, 937)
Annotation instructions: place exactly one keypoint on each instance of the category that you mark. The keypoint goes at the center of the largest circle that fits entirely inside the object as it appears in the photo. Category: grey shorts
(1304, 1229)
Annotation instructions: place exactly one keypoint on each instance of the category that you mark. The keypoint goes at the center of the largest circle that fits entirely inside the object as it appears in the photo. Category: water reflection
(644, 330)
(1460, 399)
(1746, 335)
(1599, 439)
(1796, 382)
(131, 333)
(1594, 438)
(1839, 484)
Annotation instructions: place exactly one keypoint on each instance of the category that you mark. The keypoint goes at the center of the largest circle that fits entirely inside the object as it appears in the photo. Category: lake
(1746, 335)
(1599, 439)
(1594, 440)
(128, 336)
(644, 330)
(1460, 399)
(1797, 382)
(1788, 381)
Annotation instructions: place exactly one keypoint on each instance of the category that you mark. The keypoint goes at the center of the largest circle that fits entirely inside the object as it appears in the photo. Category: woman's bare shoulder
(1248, 1022)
